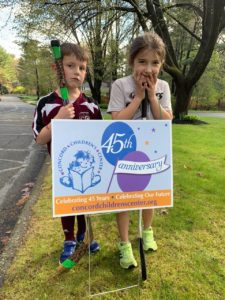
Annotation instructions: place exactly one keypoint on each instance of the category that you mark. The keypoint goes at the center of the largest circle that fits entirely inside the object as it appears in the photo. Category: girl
(146, 57)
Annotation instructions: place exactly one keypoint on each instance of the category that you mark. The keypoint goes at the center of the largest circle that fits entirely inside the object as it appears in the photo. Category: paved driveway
(20, 160)
(207, 114)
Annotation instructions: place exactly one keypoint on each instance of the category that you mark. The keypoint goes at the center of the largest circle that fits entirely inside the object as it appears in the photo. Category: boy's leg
(68, 227)
(81, 225)
(127, 259)
(69, 243)
(149, 244)
(81, 230)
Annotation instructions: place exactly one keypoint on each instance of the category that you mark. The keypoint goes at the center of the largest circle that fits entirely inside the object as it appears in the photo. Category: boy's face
(145, 63)
(75, 71)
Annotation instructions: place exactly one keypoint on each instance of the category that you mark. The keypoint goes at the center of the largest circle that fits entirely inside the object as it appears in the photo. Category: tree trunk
(98, 75)
(212, 24)
(37, 83)
(183, 98)
(89, 80)
(97, 90)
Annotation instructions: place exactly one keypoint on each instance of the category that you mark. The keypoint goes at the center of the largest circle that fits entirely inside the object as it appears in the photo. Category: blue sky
(8, 34)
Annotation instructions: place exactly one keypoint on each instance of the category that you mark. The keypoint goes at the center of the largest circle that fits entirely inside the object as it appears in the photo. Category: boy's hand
(66, 112)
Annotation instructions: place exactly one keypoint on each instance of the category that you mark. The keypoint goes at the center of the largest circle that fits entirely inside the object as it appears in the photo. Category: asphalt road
(20, 162)
(207, 114)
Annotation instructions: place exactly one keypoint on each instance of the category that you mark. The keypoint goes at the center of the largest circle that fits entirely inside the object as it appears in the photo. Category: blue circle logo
(117, 141)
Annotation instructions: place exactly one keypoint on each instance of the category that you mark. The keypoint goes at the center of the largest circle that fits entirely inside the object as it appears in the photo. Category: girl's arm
(157, 110)
(45, 135)
(128, 112)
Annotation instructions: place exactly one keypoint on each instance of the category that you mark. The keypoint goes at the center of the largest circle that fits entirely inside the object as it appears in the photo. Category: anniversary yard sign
(104, 166)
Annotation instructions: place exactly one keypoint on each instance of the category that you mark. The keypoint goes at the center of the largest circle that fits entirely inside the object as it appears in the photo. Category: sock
(81, 224)
(68, 227)
(148, 228)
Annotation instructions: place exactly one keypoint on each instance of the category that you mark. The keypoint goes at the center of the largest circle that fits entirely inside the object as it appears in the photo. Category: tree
(8, 74)
(210, 89)
(97, 33)
(188, 53)
(210, 16)
(103, 33)
(34, 68)
(212, 22)
(96, 38)
(34, 18)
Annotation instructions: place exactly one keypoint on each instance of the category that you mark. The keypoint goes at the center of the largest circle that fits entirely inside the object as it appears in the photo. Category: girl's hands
(66, 112)
(139, 85)
(145, 81)
(150, 84)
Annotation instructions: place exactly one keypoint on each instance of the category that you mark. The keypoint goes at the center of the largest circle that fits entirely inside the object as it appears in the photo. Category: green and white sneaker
(127, 260)
(149, 244)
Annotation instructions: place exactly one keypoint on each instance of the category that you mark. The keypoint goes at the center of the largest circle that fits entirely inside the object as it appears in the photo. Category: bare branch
(184, 27)
(120, 8)
(8, 19)
(222, 26)
(59, 4)
(185, 5)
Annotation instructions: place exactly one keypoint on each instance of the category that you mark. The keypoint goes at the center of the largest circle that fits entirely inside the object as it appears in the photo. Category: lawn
(29, 99)
(190, 261)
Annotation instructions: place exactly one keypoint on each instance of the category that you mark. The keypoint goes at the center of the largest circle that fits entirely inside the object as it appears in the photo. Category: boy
(74, 59)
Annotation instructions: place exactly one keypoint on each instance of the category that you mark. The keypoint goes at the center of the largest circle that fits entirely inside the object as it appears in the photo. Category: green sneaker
(127, 260)
(149, 244)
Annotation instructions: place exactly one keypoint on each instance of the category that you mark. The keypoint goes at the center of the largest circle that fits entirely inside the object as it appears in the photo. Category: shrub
(103, 105)
(18, 90)
(190, 118)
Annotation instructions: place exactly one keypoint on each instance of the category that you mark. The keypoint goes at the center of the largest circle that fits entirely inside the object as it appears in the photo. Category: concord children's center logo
(79, 165)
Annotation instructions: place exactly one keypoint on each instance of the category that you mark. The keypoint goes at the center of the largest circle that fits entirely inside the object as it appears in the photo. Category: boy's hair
(151, 41)
(74, 49)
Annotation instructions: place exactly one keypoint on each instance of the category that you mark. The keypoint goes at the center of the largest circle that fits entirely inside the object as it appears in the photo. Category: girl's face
(75, 71)
(146, 62)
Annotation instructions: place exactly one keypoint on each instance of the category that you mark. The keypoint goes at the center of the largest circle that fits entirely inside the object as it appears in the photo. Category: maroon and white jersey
(49, 105)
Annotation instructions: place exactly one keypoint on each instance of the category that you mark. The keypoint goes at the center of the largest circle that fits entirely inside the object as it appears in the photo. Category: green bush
(3, 89)
(103, 105)
(190, 118)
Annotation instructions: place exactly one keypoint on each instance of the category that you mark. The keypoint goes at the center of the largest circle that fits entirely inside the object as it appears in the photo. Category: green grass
(190, 261)
(105, 115)
(29, 99)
